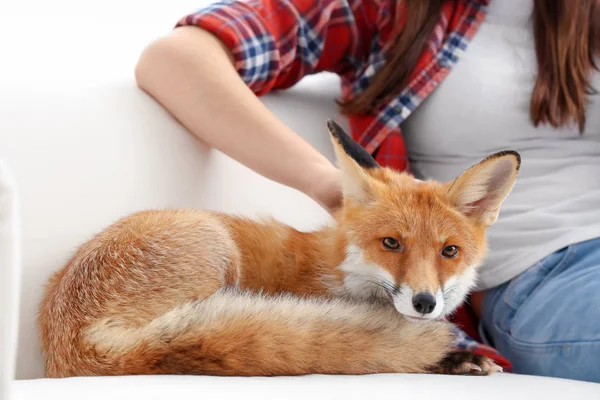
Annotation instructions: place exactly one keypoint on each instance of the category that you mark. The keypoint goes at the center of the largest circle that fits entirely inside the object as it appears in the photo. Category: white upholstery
(87, 147)
(10, 275)
(370, 387)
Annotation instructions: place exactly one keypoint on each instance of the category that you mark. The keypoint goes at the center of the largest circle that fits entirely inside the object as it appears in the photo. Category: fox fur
(200, 292)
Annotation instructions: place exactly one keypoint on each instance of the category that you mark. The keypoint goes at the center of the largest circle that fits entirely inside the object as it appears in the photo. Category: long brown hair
(567, 38)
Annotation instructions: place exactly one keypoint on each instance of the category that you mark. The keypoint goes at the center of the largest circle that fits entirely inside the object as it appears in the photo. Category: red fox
(199, 292)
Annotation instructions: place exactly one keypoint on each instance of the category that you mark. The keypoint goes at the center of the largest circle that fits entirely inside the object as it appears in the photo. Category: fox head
(417, 243)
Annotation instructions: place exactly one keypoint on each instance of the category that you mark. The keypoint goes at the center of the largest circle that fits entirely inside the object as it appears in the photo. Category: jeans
(546, 321)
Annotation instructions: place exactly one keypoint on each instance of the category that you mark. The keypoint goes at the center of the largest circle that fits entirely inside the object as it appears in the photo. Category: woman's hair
(567, 38)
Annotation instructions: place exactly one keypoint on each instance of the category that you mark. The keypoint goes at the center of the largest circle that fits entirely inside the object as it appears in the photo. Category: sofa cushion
(372, 387)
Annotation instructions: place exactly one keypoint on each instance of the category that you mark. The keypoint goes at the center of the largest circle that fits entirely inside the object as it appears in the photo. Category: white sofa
(86, 147)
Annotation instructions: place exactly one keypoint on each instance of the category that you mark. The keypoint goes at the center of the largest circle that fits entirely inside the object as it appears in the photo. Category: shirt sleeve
(275, 43)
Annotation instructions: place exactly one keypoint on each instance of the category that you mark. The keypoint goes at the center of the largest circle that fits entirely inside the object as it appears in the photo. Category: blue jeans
(546, 321)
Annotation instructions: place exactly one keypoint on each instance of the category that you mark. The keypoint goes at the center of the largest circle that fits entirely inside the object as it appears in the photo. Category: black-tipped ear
(353, 149)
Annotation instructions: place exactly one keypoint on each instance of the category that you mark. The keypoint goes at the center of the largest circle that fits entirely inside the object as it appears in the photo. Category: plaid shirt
(275, 43)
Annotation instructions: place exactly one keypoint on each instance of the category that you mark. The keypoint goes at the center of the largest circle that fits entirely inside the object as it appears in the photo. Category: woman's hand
(326, 189)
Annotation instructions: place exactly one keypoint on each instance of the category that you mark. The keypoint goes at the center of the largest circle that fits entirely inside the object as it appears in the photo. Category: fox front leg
(466, 363)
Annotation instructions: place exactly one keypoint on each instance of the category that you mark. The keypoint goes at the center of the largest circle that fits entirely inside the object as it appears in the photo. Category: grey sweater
(483, 107)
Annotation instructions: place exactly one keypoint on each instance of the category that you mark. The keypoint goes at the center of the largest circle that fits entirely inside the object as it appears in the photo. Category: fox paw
(466, 363)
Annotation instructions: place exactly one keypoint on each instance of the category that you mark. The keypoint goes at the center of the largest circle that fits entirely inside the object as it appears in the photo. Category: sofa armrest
(10, 277)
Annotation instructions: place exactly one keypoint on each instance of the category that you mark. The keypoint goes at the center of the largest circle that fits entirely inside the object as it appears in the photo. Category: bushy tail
(235, 333)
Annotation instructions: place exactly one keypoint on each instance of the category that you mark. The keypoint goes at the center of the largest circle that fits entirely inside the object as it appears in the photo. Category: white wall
(87, 146)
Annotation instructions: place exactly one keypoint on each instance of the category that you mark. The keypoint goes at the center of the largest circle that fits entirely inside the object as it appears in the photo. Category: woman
(522, 78)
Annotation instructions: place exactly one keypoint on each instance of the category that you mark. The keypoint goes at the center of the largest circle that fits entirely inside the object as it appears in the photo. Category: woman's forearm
(191, 74)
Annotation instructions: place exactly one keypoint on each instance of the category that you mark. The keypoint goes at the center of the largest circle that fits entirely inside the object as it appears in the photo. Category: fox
(200, 292)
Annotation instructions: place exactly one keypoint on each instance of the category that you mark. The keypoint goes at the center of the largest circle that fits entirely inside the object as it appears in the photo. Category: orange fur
(197, 292)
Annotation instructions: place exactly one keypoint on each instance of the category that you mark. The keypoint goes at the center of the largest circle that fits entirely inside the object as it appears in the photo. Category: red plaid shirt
(275, 43)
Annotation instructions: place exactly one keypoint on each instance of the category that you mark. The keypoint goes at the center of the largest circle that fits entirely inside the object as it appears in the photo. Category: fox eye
(391, 244)
(450, 252)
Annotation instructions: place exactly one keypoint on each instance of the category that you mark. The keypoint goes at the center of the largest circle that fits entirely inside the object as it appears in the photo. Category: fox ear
(353, 160)
(350, 147)
(480, 191)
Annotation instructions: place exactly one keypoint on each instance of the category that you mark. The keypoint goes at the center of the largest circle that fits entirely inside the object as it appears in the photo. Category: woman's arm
(191, 74)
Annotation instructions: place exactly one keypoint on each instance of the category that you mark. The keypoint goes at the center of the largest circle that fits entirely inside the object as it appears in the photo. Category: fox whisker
(386, 286)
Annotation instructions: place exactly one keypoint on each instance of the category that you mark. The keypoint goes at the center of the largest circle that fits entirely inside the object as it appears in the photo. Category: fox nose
(424, 303)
